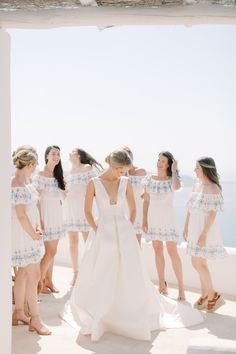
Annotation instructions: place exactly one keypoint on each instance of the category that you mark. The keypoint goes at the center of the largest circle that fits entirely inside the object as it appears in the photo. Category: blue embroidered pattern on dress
(78, 225)
(80, 178)
(136, 181)
(53, 233)
(162, 235)
(210, 252)
(157, 187)
(206, 202)
(46, 183)
(28, 256)
(23, 195)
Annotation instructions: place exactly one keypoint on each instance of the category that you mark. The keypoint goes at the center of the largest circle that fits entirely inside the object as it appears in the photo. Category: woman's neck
(22, 176)
(49, 168)
(205, 181)
(161, 174)
(108, 175)
(76, 166)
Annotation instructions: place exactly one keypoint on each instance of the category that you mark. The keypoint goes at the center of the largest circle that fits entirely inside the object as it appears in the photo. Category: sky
(151, 88)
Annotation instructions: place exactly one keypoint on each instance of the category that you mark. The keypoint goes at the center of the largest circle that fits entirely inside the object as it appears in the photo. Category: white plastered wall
(5, 211)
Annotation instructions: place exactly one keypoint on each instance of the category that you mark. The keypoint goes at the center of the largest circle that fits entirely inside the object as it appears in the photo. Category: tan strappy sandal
(201, 303)
(19, 317)
(215, 303)
(43, 331)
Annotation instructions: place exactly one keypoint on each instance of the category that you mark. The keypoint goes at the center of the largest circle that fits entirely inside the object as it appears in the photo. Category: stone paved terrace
(217, 335)
(69, 4)
(51, 14)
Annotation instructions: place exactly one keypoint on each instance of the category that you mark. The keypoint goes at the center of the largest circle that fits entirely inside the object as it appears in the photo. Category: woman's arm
(176, 184)
(88, 205)
(26, 224)
(40, 215)
(146, 201)
(209, 221)
(131, 202)
(185, 233)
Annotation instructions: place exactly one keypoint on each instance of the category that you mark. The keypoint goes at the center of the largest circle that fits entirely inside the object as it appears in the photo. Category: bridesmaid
(159, 218)
(136, 176)
(51, 186)
(202, 231)
(27, 246)
(33, 150)
(82, 170)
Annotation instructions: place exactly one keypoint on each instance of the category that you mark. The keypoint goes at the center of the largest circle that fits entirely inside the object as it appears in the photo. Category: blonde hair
(127, 149)
(24, 157)
(25, 147)
(119, 158)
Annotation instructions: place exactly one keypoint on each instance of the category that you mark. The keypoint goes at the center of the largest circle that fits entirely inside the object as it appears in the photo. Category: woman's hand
(145, 226)
(37, 235)
(202, 240)
(174, 166)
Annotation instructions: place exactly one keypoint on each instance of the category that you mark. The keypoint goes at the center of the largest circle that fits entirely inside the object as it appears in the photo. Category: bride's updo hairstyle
(119, 158)
(24, 157)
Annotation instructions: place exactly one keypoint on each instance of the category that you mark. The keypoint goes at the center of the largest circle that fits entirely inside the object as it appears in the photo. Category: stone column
(5, 205)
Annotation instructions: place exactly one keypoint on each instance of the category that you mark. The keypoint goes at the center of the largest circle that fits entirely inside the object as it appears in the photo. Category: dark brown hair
(209, 169)
(86, 158)
(170, 159)
(58, 170)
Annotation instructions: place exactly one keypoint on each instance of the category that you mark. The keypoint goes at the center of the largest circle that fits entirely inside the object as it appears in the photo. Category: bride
(113, 292)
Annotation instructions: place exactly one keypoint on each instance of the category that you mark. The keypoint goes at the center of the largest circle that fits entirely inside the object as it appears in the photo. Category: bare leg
(48, 279)
(74, 241)
(201, 267)
(214, 299)
(19, 296)
(47, 262)
(33, 276)
(177, 267)
(74, 253)
(196, 265)
(160, 263)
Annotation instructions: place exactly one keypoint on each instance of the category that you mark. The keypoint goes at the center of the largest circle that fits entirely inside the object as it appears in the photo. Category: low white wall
(5, 206)
(222, 270)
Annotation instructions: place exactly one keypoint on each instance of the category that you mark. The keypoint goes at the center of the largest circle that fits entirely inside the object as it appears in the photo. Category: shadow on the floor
(221, 326)
(52, 306)
(114, 344)
(27, 342)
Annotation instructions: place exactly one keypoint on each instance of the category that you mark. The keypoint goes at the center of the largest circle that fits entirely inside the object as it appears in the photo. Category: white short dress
(162, 225)
(25, 250)
(51, 200)
(74, 217)
(138, 189)
(199, 206)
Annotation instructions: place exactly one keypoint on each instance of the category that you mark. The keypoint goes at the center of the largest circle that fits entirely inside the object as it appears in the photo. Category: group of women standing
(51, 203)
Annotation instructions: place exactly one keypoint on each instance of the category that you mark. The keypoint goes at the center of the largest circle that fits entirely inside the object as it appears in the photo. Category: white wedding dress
(113, 292)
